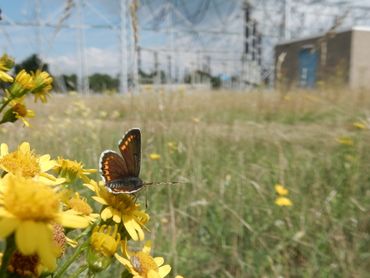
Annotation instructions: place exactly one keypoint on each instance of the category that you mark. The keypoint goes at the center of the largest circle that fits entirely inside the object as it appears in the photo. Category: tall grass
(232, 148)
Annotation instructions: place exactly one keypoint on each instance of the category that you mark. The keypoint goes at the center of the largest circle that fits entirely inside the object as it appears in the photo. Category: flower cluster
(39, 198)
(121, 220)
(44, 210)
(31, 211)
(13, 91)
(282, 200)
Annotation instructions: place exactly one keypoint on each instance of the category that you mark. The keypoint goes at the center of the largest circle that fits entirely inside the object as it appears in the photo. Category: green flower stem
(71, 259)
(11, 97)
(5, 104)
(79, 271)
(90, 274)
(9, 250)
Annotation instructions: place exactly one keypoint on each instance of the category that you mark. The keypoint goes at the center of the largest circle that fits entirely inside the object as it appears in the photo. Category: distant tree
(197, 75)
(215, 82)
(100, 82)
(31, 63)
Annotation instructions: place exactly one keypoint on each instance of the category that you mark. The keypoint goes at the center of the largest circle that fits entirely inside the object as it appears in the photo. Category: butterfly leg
(135, 197)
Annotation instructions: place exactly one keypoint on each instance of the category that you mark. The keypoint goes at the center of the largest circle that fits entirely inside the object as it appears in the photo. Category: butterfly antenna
(162, 183)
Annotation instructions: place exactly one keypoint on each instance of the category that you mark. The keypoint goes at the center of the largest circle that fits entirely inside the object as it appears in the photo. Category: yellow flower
(42, 85)
(22, 84)
(5, 77)
(345, 141)
(283, 202)
(141, 265)
(24, 79)
(26, 163)
(29, 208)
(6, 63)
(120, 207)
(71, 169)
(79, 206)
(17, 111)
(281, 190)
(103, 245)
(154, 156)
(21, 112)
(359, 125)
(104, 240)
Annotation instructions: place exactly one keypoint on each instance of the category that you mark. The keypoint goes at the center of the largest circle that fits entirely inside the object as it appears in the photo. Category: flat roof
(354, 28)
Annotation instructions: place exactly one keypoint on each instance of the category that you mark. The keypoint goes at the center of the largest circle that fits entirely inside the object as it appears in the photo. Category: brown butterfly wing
(130, 147)
(113, 167)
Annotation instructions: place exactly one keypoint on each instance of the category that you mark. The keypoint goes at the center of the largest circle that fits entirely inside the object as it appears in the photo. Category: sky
(180, 27)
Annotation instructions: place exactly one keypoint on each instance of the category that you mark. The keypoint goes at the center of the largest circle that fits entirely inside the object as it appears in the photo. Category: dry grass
(232, 148)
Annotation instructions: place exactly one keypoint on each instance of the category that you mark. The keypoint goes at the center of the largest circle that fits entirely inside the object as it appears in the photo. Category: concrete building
(340, 58)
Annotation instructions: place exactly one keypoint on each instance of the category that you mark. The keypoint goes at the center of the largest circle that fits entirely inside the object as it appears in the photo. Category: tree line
(101, 82)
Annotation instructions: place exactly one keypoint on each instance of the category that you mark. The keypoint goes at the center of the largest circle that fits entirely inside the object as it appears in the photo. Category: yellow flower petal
(45, 248)
(133, 229)
(100, 200)
(25, 122)
(71, 242)
(281, 190)
(116, 216)
(5, 77)
(159, 261)
(4, 149)
(147, 247)
(283, 202)
(164, 270)
(91, 187)
(124, 249)
(73, 221)
(25, 237)
(153, 274)
(106, 213)
(50, 179)
(25, 147)
(7, 226)
(45, 163)
(122, 260)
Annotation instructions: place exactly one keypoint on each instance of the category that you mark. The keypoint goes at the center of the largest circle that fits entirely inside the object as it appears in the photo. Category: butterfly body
(130, 185)
(121, 172)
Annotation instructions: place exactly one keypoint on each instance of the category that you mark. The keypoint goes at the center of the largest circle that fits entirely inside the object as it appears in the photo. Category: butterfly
(121, 172)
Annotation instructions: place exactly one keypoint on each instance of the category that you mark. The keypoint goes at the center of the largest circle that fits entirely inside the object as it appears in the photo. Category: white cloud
(97, 60)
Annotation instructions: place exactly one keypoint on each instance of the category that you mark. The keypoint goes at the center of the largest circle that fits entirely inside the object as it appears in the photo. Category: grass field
(231, 149)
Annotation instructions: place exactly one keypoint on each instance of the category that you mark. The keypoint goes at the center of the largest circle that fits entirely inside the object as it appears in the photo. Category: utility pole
(83, 81)
(285, 24)
(157, 79)
(254, 40)
(170, 26)
(246, 39)
(259, 49)
(123, 86)
(133, 41)
(138, 63)
(38, 28)
(169, 70)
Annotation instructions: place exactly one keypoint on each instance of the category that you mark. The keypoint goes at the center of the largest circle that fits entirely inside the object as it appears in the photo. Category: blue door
(307, 67)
